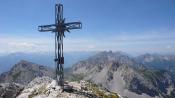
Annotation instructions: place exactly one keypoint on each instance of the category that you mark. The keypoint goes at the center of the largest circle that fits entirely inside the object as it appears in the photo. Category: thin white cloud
(128, 42)
(9, 45)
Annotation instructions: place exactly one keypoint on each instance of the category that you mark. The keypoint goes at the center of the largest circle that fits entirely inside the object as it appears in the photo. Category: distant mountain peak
(25, 71)
(25, 62)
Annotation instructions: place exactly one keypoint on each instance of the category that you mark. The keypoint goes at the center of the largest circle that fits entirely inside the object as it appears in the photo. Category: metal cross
(59, 28)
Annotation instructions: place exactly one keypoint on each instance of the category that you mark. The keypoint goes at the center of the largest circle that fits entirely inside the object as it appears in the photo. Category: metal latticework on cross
(59, 28)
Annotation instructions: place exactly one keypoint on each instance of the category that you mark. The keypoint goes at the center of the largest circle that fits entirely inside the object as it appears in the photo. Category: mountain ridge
(112, 70)
(23, 72)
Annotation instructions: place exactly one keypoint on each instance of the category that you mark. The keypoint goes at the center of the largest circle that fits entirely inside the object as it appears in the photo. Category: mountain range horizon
(135, 77)
(46, 58)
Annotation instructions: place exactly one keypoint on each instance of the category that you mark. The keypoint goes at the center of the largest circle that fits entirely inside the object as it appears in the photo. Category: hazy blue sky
(133, 26)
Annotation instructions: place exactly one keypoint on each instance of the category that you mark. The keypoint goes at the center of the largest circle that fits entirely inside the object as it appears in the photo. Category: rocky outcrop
(41, 87)
(45, 87)
(10, 90)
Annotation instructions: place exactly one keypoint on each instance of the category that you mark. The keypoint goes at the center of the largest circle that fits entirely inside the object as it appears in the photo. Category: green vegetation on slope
(100, 92)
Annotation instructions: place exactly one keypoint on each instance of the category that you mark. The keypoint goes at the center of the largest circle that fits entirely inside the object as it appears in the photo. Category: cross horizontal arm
(73, 25)
(46, 28)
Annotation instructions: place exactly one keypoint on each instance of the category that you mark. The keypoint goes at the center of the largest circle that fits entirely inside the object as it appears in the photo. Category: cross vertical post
(59, 28)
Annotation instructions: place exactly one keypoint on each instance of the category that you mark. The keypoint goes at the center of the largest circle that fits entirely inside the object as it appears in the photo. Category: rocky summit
(41, 87)
(45, 87)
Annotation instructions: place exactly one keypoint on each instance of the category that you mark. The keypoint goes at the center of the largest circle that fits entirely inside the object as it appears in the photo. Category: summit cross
(59, 28)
